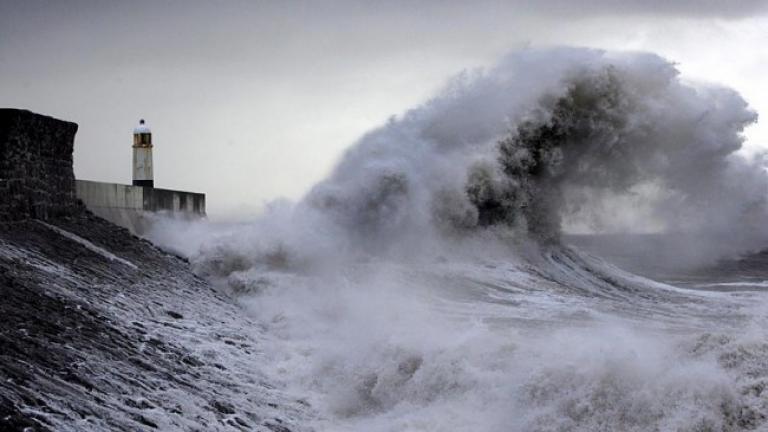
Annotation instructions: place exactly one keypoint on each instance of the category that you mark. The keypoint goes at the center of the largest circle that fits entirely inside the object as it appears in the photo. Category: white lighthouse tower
(142, 156)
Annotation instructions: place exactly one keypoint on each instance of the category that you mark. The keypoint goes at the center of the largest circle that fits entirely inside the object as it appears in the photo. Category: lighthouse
(142, 156)
(130, 206)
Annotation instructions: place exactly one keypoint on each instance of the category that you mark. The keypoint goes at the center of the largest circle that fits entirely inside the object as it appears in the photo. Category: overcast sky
(254, 100)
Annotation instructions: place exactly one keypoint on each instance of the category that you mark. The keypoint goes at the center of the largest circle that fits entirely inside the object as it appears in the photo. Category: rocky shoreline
(104, 331)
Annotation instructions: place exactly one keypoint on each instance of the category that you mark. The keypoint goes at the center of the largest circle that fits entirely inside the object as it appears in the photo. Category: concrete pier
(132, 206)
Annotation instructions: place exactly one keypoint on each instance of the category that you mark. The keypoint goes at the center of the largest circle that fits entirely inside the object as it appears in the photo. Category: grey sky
(254, 100)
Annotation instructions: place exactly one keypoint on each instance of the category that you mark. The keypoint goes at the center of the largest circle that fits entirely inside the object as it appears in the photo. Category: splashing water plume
(425, 284)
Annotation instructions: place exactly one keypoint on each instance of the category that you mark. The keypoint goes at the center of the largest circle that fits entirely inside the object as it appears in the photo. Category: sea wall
(117, 203)
(36, 176)
(134, 207)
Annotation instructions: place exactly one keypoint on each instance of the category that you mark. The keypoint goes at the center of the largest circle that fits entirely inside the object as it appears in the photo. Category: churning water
(426, 286)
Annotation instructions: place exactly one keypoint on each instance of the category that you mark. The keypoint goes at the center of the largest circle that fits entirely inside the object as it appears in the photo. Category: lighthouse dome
(142, 128)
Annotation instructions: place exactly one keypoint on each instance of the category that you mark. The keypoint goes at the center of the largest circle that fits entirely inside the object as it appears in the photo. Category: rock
(174, 315)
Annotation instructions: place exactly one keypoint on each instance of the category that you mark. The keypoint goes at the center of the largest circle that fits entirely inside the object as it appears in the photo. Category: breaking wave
(425, 284)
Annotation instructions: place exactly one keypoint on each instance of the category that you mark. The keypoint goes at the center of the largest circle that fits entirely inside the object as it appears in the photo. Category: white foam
(387, 321)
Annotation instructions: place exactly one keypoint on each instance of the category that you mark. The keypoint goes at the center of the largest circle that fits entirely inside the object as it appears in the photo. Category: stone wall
(36, 176)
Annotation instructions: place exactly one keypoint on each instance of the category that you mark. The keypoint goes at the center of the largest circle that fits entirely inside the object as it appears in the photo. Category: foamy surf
(424, 285)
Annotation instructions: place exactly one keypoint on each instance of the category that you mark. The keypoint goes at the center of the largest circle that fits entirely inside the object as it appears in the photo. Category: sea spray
(424, 286)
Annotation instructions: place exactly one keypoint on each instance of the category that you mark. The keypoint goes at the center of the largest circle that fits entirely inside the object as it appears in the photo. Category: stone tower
(142, 156)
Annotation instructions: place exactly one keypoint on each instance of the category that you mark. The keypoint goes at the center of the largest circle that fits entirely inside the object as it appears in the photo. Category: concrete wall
(177, 202)
(133, 207)
(36, 177)
(120, 204)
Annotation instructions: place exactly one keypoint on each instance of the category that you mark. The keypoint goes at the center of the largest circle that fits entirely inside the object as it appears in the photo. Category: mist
(546, 141)
(428, 282)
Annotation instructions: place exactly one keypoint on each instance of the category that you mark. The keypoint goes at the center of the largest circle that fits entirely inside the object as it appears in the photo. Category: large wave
(581, 138)
(548, 134)
(424, 284)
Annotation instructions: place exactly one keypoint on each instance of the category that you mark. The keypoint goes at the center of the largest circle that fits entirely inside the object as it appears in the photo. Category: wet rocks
(89, 343)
